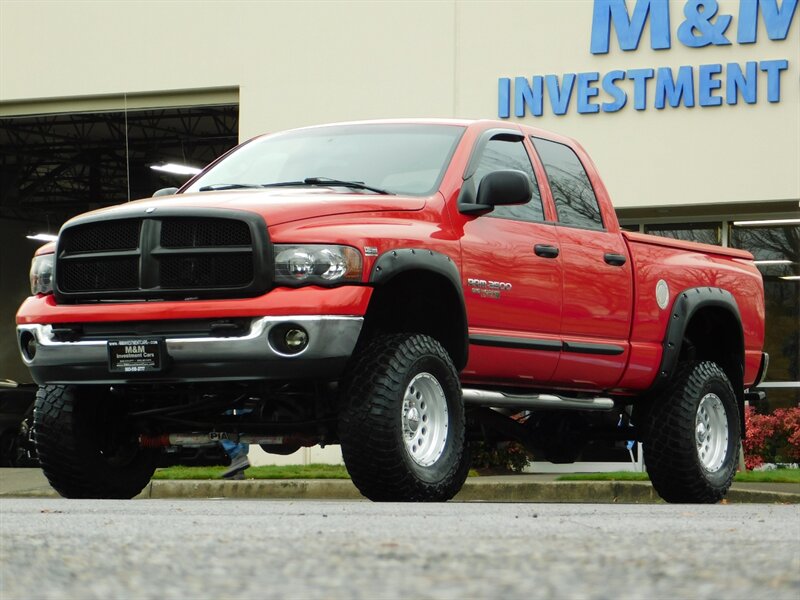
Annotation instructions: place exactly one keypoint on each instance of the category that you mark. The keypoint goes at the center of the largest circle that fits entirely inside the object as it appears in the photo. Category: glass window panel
(504, 154)
(630, 227)
(705, 233)
(573, 195)
(777, 254)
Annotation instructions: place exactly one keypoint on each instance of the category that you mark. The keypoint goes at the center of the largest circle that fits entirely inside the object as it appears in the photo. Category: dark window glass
(573, 195)
(707, 233)
(634, 227)
(498, 155)
(777, 255)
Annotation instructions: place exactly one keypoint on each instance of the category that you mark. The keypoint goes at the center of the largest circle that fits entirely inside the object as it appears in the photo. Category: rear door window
(573, 195)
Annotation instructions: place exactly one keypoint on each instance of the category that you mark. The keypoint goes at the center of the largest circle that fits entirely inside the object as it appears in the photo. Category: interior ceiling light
(43, 237)
(176, 169)
(772, 262)
(767, 222)
(791, 277)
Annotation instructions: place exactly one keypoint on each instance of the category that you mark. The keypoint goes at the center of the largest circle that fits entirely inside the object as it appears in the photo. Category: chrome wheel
(711, 432)
(424, 419)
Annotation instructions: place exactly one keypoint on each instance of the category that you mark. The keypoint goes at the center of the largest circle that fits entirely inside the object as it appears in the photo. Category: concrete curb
(603, 492)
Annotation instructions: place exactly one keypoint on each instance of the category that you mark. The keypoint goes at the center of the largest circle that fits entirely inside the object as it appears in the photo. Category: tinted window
(498, 155)
(573, 195)
(400, 158)
(706, 233)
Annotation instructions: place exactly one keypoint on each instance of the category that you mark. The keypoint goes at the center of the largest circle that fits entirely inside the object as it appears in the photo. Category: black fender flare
(400, 260)
(684, 307)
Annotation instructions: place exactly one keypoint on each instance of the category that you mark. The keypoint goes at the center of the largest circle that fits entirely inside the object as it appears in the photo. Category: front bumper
(331, 340)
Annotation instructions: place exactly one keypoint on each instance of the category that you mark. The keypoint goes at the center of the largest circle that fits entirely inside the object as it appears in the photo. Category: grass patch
(777, 476)
(265, 472)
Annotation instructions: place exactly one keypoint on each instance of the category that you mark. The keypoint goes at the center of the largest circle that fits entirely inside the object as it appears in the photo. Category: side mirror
(499, 188)
(165, 192)
(505, 187)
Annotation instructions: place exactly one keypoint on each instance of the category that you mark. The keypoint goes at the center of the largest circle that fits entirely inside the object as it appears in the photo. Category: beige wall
(298, 63)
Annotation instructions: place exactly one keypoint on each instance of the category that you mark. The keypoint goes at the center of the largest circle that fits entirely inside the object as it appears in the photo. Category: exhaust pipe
(212, 438)
(532, 401)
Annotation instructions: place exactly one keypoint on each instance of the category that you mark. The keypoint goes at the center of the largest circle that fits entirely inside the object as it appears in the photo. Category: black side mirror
(165, 192)
(505, 187)
(499, 188)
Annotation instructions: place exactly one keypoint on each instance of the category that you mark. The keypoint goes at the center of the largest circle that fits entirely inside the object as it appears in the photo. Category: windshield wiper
(327, 181)
(227, 186)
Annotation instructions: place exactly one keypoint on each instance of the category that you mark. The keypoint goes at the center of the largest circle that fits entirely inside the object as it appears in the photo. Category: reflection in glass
(503, 154)
(780, 247)
(573, 195)
(705, 233)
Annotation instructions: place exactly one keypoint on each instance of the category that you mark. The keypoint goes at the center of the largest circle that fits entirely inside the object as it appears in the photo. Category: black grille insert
(208, 253)
(103, 237)
(199, 233)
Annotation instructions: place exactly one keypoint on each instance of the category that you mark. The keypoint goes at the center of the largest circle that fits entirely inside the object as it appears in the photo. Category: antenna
(127, 150)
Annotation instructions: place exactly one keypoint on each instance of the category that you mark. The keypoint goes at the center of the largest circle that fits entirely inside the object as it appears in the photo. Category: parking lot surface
(53, 548)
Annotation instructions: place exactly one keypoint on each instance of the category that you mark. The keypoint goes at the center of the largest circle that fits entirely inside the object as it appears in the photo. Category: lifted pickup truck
(399, 288)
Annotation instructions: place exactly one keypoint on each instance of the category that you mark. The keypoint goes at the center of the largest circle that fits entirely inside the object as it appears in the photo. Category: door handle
(615, 260)
(545, 251)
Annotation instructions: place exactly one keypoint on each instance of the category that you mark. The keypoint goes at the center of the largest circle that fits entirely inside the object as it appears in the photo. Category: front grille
(172, 255)
(100, 274)
(195, 233)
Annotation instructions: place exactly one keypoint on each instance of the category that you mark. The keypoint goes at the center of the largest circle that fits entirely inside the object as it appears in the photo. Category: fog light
(296, 339)
(288, 339)
(27, 344)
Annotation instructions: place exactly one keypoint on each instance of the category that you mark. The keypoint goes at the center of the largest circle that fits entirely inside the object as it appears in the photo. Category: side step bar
(503, 400)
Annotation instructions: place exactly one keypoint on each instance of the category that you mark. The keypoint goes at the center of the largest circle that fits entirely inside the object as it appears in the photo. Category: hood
(277, 205)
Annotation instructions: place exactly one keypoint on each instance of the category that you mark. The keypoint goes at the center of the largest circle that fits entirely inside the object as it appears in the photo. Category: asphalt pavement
(164, 549)
(503, 488)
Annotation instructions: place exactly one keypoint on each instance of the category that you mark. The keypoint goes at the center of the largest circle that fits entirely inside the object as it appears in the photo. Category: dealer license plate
(135, 356)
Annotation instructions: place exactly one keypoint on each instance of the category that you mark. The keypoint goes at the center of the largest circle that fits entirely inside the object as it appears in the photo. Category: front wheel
(692, 436)
(402, 422)
(85, 447)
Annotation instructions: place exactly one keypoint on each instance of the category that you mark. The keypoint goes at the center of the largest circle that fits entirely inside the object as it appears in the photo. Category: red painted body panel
(346, 301)
(574, 298)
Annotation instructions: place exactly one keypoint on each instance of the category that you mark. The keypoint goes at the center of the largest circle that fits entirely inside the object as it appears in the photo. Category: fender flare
(685, 306)
(400, 260)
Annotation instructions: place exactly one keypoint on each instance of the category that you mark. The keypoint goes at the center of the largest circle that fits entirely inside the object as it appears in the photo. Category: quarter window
(576, 203)
(503, 154)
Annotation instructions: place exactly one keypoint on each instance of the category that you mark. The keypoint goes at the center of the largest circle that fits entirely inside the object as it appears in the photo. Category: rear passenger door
(597, 288)
(512, 276)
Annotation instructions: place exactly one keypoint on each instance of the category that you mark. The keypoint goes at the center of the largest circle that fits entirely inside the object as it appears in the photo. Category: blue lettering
(527, 95)
(777, 20)
(559, 98)
(737, 82)
(773, 69)
(503, 98)
(698, 30)
(610, 88)
(674, 90)
(706, 84)
(586, 91)
(629, 28)
(639, 78)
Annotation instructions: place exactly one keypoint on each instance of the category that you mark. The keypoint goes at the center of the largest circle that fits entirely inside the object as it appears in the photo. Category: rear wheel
(692, 436)
(402, 425)
(85, 448)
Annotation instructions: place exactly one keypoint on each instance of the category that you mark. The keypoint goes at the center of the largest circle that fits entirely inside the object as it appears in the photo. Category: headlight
(316, 264)
(42, 274)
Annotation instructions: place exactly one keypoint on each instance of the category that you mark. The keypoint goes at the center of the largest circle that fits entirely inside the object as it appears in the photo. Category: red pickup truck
(397, 287)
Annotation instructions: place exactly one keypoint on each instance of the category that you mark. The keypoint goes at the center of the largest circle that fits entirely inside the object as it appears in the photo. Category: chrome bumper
(331, 340)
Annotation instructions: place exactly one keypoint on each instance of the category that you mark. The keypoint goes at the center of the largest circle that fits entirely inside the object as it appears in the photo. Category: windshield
(397, 158)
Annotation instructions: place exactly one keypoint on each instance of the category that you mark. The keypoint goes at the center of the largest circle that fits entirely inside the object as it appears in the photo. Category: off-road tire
(670, 436)
(84, 449)
(371, 428)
